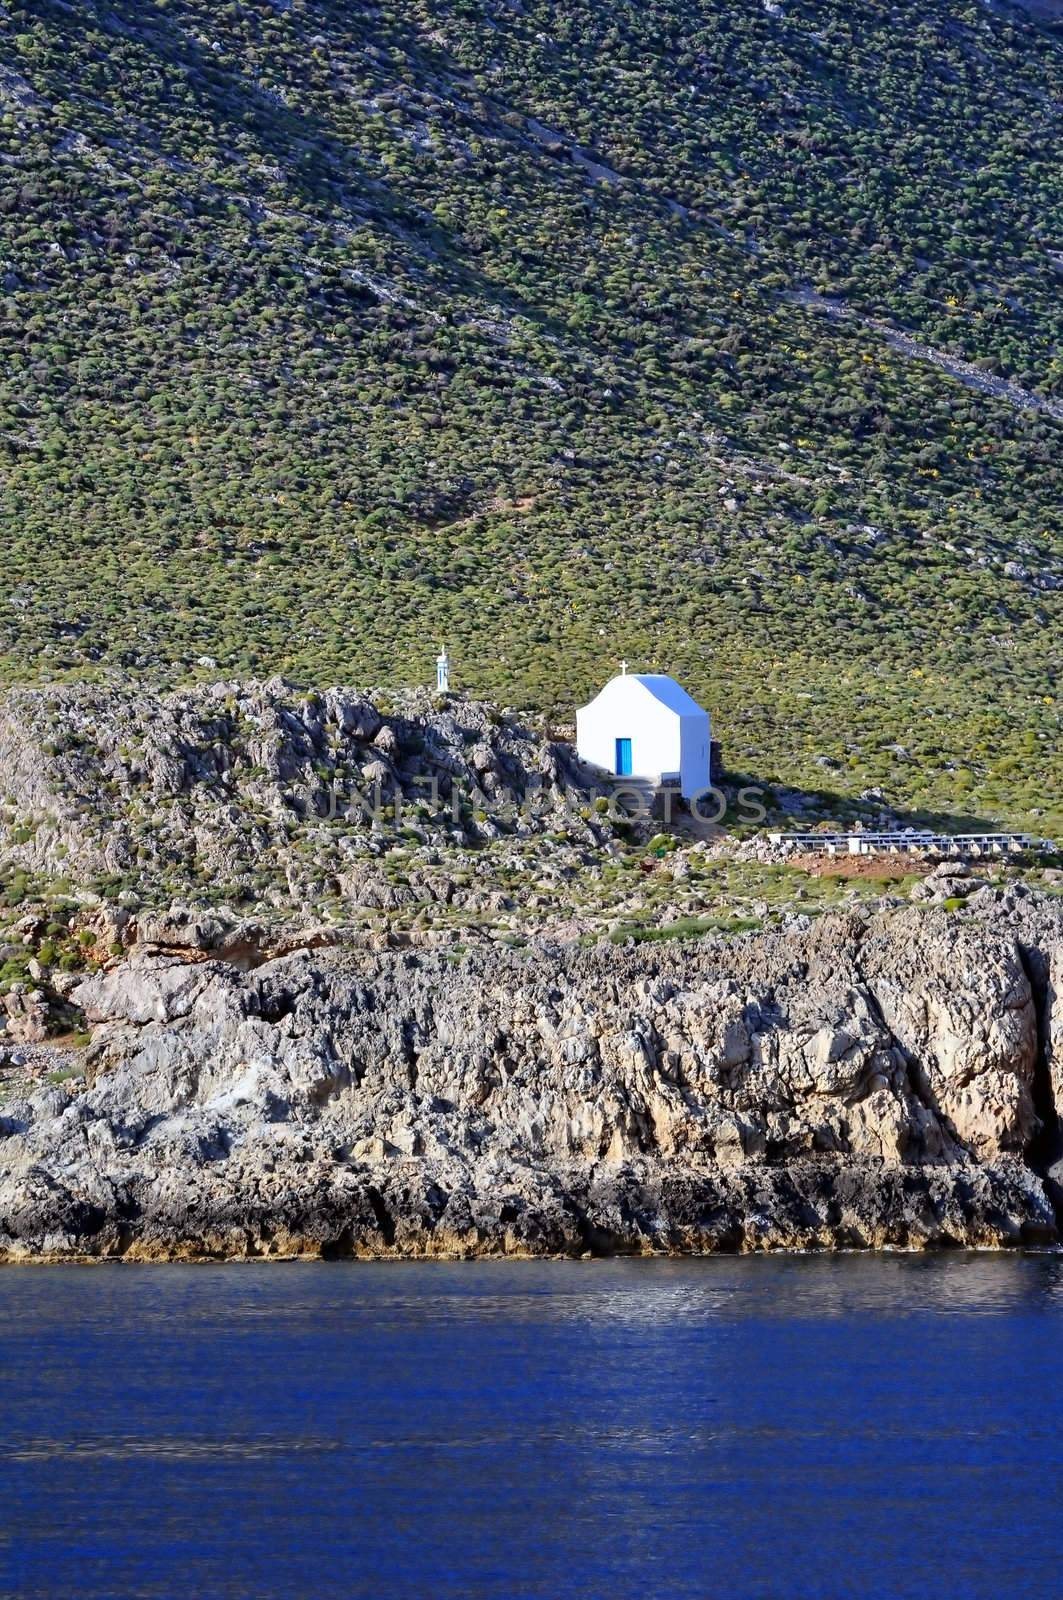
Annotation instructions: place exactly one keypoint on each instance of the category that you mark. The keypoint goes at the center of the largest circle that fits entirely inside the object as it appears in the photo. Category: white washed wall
(662, 741)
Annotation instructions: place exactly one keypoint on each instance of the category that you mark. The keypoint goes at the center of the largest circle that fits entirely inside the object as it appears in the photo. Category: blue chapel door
(623, 758)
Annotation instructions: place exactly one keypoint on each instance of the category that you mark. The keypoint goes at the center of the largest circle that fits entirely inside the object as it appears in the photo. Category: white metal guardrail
(913, 840)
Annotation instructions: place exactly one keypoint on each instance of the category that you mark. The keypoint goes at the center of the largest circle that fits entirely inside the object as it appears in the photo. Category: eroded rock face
(859, 1084)
(26, 1015)
(1036, 926)
(246, 779)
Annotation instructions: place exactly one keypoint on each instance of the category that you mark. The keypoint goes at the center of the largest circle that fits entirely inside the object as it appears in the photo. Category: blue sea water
(852, 1425)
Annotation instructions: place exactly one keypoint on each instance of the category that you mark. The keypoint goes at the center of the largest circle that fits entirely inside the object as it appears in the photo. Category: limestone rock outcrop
(864, 1082)
(258, 784)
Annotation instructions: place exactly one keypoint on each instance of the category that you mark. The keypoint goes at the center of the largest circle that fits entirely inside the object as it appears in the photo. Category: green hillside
(563, 332)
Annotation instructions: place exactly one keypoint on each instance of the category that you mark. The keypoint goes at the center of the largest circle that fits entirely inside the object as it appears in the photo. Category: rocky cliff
(882, 1081)
(270, 793)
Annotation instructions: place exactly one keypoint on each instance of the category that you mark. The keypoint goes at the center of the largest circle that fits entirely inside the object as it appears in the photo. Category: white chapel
(645, 725)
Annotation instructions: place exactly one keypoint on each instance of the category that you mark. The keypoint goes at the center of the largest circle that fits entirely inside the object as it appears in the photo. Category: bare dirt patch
(892, 867)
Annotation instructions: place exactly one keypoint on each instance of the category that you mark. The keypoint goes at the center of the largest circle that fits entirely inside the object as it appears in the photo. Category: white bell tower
(443, 671)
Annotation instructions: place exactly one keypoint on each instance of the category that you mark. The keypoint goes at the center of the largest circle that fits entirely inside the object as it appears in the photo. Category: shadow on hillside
(791, 807)
(322, 166)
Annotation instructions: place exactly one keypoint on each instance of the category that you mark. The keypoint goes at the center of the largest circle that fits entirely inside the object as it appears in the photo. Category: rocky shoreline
(872, 1081)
